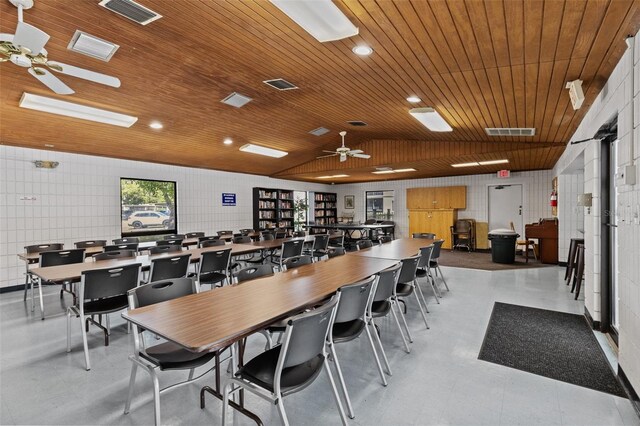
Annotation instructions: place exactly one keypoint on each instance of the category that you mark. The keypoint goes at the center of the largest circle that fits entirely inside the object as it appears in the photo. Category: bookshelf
(272, 208)
(325, 210)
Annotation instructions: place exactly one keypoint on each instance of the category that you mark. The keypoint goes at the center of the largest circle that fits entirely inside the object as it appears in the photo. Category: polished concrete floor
(440, 382)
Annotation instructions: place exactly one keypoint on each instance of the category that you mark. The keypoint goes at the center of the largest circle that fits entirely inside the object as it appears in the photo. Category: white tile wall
(80, 200)
(615, 98)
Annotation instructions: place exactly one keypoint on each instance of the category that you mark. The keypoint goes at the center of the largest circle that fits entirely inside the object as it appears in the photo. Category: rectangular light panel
(320, 18)
(475, 163)
(490, 162)
(262, 150)
(430, 118)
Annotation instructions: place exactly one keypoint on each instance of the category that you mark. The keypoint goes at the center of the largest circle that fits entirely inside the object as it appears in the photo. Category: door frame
(525, 203)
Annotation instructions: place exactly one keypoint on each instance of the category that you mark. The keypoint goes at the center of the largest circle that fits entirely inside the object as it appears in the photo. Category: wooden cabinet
(482, 235)
(435, 221)
(445, 197)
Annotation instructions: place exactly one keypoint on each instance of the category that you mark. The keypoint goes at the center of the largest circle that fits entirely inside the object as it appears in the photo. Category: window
(300, 209)
(148, 207)
(379, 205)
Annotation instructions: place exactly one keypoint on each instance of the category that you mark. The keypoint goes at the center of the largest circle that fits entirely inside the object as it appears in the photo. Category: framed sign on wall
(349, 201)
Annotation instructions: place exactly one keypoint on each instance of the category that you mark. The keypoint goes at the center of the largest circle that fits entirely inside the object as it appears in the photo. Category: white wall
(615, 98)
(570, 216)
(80, 200)
(536, 189)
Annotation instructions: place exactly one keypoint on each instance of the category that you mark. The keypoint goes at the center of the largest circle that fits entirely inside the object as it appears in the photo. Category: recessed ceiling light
(475, 163)
(48, 145)
(362, 50)
(227, 141)
(490, 162)
(156, 125)
(430, 118)
(414, 99)
(262, 150)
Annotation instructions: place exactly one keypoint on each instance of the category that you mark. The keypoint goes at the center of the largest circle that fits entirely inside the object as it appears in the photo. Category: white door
(505, 206)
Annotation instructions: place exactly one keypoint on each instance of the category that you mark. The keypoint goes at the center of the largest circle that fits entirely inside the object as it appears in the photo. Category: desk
(395, 250)
(350, 228)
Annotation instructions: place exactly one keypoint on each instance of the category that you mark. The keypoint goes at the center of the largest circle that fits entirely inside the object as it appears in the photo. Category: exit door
(505, 206)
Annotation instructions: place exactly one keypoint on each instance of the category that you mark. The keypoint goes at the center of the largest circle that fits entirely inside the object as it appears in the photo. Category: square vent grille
(93, 46)
(510, 131)
(131, 10)
(319, 131)
(280, 84)
(236, 100)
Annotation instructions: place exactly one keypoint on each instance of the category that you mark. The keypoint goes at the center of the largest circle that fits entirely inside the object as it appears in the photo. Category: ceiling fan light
(320, 18)
(430, 118)
(70, 109)
(262, 150)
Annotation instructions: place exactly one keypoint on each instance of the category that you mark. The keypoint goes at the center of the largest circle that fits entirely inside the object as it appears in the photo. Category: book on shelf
(267, 194)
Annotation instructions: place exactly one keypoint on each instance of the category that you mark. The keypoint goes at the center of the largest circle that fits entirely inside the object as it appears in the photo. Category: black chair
(433, 264)
(424, 270)
(407, 283)
(214, 267)
(194, 234)
(280, 234)
(108, 255)
(125, 240)
(174, 242)
(36, 248)
(242, 239)
(350, 321)
(165, 268)
(246, 231)
(207, 238)
(363, 244)
(320, 246)
(101, 292)
(55, 258)
(268, 236)
(385, 300)
(165, 249)
(572, 258)
(212, 243)
(385, 239)
(291, 366)
(335, 252)
(579, 275)
(166, 356)
(91, 243)
(370, 222)
(174, 237)
(426, 235)
(123, 246)
(221, 233)
(336, 239)
(296, 262)
(463, 235)
(299, 234)
(289, 249)
(253, 272)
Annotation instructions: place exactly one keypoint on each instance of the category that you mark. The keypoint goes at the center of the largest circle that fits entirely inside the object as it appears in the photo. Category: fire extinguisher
(553, 200)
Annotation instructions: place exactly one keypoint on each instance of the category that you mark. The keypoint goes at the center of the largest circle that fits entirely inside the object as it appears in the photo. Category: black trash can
(503, 245)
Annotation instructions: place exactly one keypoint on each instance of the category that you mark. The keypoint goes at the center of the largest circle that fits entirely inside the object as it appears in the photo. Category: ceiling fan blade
(333, 152)
(360, 155)
(96, 77)
(6, 37)
(30, 37)
(326, 156)
(51, 81)
(356, 151)
(343, 158)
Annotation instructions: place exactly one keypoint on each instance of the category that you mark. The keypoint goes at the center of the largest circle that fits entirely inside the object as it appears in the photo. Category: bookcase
(325, 210)
(272, 208)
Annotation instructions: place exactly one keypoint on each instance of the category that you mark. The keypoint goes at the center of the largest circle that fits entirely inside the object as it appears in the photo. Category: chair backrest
(207, 238)
(194, 234)
(267, 236)
(174, 237)
(243, 239)
(320, 242)
(253, 272)
(168, 267)
(123, 246)
(298, 234)
(465, 225)
(126, 240)
(409, 268)
(425, 256)
(246, 231)
(306, 335)
(61, 257)
(354, 300)
(363, 244)
(369, 221)
(335, 252)
(387, 281)
(118, 254)
(91, 243)
(297, 261)
(174, 242)
(221, 233)
(385, 239)
(426, 235)
(214, 261)
(291, 248)
(165, 249)
(212, 243)
(161, 291)
(38, 248)
(437, 245)
(336, 239)
(281, 234)
(109, 282)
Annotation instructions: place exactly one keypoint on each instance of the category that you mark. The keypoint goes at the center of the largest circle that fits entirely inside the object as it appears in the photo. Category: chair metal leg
(442, 276)
(108, 323)
(343, 416)
(416, 285)
(69, 330)
(341, 379)
(85, 344)
(375, 355)
(191, 373)
(430, 280)
(132, 382)
(156, 396)
(384, 355)
(283, 414)
(27, 278)
(225, 402)
(424, 316)
(395, 318)
(41, 300)
(404, 321)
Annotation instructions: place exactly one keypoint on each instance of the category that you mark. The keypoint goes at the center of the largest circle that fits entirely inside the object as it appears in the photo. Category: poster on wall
(228, 199)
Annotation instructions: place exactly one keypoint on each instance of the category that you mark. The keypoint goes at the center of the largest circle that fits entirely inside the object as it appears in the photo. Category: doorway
(505, 206)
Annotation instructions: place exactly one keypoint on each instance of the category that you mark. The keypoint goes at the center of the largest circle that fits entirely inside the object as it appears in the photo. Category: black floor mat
(553, 344)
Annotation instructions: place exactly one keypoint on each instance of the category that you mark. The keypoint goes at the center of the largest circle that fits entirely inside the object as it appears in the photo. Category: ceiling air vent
(357, 123)
(510, 131)
(280, 84)
(319, 131)
(93, 46)
(236, 100)
(131, 10)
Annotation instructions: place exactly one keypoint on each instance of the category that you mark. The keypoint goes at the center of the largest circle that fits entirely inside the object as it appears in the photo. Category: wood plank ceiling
(479, 63)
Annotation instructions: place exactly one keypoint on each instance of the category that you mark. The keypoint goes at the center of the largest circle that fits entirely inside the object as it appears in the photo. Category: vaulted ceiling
(479, 63)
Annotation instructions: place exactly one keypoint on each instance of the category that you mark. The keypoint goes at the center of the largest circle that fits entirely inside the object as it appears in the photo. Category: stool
(572, 258)
(577, 279)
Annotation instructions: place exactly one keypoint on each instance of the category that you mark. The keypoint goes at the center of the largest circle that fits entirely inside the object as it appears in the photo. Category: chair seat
(106, 305)
(380, 308)
(346, 331)
(169, 356)
(420, 272)
(261, 371)
(433, 263)
(212, 277)
(404, 290)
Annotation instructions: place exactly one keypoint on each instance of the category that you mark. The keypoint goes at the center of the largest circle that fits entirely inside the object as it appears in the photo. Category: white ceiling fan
(26, 49)
(345, 152)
